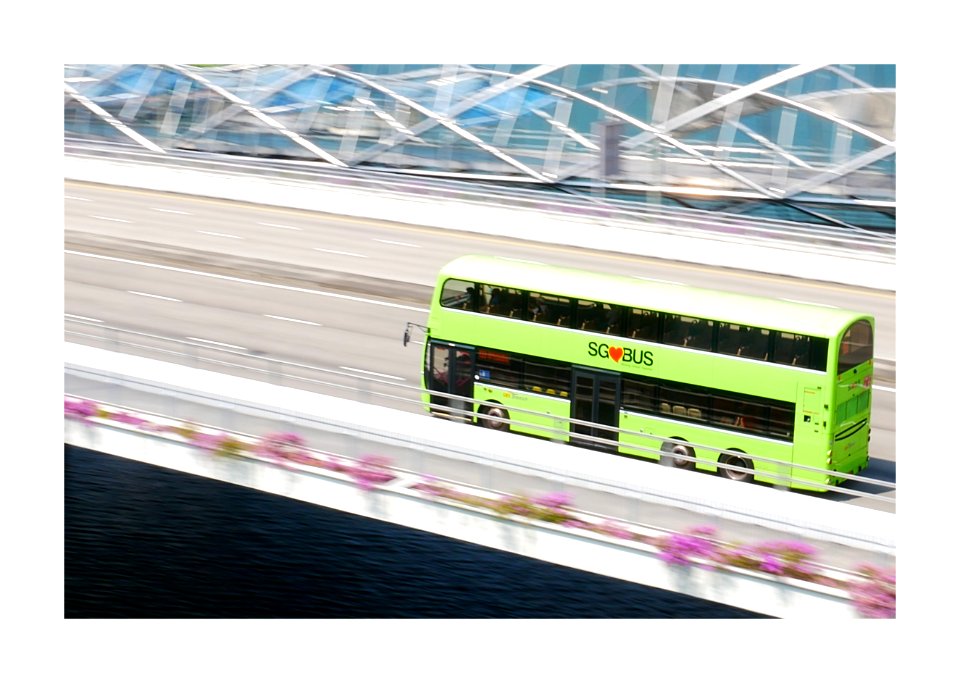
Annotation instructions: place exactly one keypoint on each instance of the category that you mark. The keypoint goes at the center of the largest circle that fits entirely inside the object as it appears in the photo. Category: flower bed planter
(873, 590)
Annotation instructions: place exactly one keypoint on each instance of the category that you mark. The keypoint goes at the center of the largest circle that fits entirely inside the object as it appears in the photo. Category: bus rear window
(856, 347)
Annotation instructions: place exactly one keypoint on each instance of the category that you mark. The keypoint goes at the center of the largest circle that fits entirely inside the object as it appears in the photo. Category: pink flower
(371, 471)
(127, 418)
(613, 529)
(679, 549)
(875, 597)
(82, 409)
(555, 500)
(282, 446)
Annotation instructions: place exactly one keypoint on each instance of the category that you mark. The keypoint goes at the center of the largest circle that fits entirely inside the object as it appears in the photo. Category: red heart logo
(616, 353)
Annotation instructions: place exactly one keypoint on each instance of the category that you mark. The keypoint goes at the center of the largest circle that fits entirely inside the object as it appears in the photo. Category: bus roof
(717, 305)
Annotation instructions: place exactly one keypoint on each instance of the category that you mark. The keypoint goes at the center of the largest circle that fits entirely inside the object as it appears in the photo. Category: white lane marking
(292, 364)
(210, 341)
(82, 317)
(370, 372)
(79, 199)
(219, 234)
(399, 244)
(666, 282)
(241, 280)
(154, 296)
(340, 253)
(277, 225)
(809, 303)
(115, 220)
(880, 388)
(183, 213)
(352, 387)
(293, 320)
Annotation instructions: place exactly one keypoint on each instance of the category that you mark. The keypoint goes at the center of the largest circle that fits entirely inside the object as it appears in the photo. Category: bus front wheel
(737, 460)
(670, 449)
(494, 417)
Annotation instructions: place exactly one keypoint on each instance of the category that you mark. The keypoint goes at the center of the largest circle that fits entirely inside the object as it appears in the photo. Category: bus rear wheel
(737, 460)
(494, 417)
(670, 449)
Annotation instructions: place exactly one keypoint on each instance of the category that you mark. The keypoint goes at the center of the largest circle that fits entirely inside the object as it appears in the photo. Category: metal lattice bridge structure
(813, 142)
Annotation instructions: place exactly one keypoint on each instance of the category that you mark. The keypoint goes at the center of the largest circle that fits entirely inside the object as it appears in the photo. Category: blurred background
(813, 143)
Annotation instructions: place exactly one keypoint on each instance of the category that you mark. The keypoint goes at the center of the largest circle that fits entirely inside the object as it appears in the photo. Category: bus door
(450, 370)
(812, 409)
(811, 439)
(596, 399)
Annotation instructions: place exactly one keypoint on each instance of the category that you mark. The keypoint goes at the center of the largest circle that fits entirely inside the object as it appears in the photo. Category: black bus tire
(737, 459)
(493, 417)
(670, 448)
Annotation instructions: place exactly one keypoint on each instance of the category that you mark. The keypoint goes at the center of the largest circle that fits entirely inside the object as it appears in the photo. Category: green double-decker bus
(757, 388)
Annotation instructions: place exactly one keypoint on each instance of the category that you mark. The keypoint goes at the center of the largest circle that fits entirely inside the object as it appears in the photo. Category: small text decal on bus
(615, 353)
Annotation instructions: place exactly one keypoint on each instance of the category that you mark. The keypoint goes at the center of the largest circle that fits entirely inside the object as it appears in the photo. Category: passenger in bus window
(514, 300)
(675, 332)
(643, 325)
(496, 301)
(699, 335)
(592, 317)
(613, 320)
(598, 317)
(802, 352)
(511, 303)
(755, 345)
(537, 309)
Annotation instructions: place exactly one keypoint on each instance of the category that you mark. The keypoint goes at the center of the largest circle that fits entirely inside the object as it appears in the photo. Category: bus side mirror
(406, 332)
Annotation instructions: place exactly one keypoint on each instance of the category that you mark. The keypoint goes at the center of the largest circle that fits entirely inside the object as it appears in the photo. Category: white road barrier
(798, 515)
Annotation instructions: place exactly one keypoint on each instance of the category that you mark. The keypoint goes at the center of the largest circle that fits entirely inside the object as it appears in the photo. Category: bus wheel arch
(677, 446)
(737, 458)
(494, 417)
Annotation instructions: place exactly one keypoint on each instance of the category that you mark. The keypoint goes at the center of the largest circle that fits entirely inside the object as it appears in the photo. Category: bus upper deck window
(506, 301)
(643, 324)
(682, 330)
(457, 294)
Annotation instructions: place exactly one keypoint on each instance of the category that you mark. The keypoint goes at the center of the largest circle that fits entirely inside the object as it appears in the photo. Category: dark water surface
(145, 542)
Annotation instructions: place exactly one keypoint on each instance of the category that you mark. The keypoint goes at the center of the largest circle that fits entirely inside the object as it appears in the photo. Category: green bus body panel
(668, 362)
(548, 416)
(818, 396)
(851, 432)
